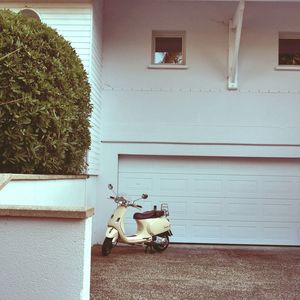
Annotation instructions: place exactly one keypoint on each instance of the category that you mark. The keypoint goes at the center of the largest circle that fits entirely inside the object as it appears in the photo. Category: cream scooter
(153, 227)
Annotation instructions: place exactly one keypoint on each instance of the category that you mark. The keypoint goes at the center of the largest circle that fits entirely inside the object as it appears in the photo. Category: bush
(44, 100)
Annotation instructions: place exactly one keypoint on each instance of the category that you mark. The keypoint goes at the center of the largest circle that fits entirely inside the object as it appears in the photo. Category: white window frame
(168, 33)
(287, 35)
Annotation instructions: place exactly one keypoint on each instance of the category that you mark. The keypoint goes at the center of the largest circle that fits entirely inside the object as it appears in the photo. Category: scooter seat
(149, 214)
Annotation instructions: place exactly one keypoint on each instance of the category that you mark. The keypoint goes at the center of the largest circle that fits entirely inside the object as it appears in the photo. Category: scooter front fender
(112, 233)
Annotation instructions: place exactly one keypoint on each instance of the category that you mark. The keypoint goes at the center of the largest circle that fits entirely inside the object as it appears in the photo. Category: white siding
(96, 81)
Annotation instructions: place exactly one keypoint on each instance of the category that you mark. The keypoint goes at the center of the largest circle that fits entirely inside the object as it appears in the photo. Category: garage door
(219, 200)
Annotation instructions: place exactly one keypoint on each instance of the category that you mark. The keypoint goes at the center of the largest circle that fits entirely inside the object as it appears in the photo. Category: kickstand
(150, 247)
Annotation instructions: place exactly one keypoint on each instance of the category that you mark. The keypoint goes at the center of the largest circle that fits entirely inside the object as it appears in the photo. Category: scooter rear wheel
(107, 246)
(162, 247)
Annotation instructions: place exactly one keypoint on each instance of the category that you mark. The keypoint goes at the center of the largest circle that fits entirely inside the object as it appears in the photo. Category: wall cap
(27, 211)
(5, 178)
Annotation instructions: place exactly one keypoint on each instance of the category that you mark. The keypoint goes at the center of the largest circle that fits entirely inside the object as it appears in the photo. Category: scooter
(153, 227)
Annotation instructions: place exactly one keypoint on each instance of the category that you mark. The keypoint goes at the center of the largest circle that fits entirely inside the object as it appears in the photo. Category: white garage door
(219, 200)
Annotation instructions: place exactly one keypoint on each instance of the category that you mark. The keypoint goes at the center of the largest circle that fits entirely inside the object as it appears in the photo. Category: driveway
(197, 272)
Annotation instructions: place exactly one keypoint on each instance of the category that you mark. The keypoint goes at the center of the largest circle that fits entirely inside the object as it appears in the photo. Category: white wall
(191, 112)
(74, 193)
(193, 105)
(58, 193)
(97, 86)
(97, 98)
(38, 263)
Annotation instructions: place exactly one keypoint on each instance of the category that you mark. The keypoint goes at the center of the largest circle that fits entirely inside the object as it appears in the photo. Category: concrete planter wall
(46, 228)
(48, 190)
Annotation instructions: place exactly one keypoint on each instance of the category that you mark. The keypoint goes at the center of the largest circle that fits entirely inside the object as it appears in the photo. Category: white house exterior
(226, 160)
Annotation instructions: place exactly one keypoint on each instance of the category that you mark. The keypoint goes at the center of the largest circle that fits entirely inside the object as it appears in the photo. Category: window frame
(167, 34)
(286, 35)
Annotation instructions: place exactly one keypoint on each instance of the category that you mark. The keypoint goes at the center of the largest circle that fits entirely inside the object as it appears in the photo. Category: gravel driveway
(197, 272)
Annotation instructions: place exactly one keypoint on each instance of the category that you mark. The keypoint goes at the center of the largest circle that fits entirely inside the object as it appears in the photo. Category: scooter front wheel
(107, 246)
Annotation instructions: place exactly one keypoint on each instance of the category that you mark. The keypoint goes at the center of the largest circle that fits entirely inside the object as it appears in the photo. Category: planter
(44, 190)
(45, 229)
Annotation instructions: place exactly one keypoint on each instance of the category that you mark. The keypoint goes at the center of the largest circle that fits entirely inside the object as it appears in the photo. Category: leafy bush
(44, 100)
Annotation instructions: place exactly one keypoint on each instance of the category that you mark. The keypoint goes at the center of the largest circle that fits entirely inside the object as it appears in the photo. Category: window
(30, 13)
(289, 49)
(168, 48)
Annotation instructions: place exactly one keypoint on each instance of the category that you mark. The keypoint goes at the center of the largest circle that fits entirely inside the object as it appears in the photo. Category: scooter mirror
(144, 196)
(110, 187)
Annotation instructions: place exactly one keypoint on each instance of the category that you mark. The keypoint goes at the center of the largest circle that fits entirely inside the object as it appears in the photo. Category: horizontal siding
(69, 23)
(96, 94)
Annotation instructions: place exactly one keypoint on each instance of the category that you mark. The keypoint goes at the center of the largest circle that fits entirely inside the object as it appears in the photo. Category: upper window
(168, 47)
(289, 49)
(30, 13)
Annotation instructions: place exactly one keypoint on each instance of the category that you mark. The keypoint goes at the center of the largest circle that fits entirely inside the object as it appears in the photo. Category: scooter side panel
(158, 225)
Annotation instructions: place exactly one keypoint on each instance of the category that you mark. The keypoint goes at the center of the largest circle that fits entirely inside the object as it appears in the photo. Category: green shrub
(44, 100)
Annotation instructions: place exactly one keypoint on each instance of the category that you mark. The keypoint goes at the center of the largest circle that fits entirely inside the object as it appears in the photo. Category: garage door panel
(220, 200)
(242, 231)
(283, 233)
(209, 230)
(207, 185)
(180, 230)
(173, 185)
(247, 187)
(238, 233)
(272, 187)
(135, 184)
(224, 231)
(225, 209)
(178, 209)
(208, 165)
(209, 207)
(235, 233)
(286, 210)
(245, 209)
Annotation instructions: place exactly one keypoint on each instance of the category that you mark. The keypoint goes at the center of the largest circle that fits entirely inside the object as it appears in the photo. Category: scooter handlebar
(135, 205)
(124, 201)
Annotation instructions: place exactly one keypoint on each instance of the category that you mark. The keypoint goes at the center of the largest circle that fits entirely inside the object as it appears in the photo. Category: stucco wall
(64, 193)
(193, 105)
(45, 258)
